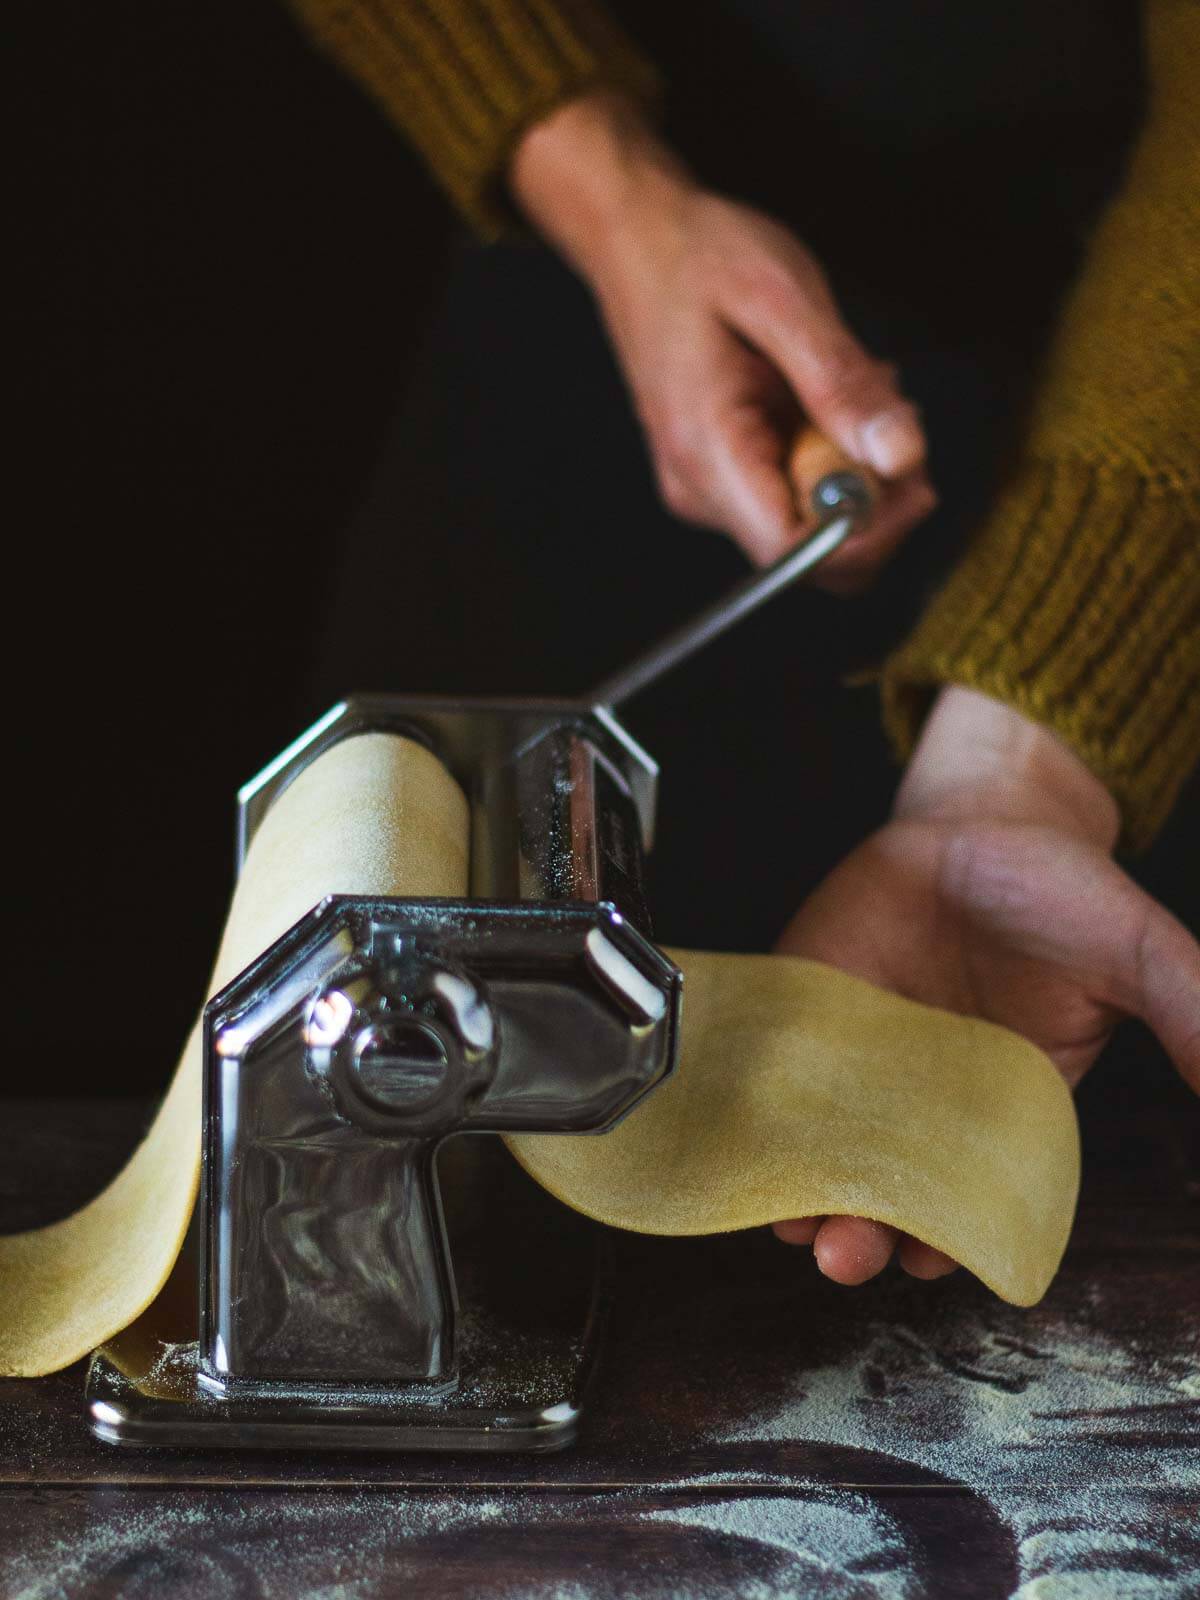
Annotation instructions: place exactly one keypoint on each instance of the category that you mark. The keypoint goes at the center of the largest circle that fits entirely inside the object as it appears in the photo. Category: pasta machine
(317, 1302)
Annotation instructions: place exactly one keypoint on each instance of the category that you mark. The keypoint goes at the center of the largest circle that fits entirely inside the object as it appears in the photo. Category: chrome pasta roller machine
(357, 1276)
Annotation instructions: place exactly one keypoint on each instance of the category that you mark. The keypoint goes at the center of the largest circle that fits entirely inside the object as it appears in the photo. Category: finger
(1168, 986)
(720, 456)
(921, 1260)
(852, 1249)
(1064, 901)
(849, 395)
(900, 509)
(735, 477)
(797, 1230)
(751, 496)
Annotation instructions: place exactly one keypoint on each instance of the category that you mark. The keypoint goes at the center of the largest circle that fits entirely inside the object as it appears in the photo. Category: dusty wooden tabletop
(756, 1431)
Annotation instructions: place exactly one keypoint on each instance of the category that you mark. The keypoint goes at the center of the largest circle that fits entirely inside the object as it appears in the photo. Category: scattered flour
(1091, 1562)
(1072, 1436)
(835, 1542)
(1081, 1452)
(371, 1545)
(988, 1405)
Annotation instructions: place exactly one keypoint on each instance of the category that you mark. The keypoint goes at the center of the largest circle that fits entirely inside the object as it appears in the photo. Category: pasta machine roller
(317, 1303)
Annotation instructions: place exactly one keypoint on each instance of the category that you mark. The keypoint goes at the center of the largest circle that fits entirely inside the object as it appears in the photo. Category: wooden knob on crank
(822, 477)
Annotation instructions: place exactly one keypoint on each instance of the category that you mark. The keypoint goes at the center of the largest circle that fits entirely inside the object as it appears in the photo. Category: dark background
(226, 260)
(290, 434)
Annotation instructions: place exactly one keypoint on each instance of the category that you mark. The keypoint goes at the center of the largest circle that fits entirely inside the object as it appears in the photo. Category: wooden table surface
(756, 1431)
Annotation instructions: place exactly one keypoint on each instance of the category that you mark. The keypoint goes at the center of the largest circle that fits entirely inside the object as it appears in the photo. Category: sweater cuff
(465, 78)
(1079, 604)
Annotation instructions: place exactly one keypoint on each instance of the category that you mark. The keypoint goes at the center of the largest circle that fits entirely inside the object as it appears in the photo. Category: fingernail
(891, 442)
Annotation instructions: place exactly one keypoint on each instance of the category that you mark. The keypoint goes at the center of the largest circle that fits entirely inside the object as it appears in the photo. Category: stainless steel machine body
(339, 1062)
(316, 1304)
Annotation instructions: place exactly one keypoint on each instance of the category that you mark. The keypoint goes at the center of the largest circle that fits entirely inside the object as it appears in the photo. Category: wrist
(583, 174)
(979, 758)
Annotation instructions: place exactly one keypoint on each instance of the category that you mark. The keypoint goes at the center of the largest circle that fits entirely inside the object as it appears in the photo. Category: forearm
(590, 171)
(464, 80)
(980, 758)
(1078, 601)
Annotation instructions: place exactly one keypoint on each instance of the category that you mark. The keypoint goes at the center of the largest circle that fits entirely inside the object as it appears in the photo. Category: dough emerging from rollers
(800, 1091)
(804, 1092)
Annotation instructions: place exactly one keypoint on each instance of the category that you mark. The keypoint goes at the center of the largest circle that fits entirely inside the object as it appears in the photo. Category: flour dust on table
(1072, 1435)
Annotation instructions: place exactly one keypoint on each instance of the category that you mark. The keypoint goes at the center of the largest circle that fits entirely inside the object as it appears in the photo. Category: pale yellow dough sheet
(374, 815)
(800, 1091)
(804, 1092)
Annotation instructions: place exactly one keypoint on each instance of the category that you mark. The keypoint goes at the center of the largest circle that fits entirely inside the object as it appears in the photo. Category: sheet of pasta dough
(800, 1090)
(374, 815)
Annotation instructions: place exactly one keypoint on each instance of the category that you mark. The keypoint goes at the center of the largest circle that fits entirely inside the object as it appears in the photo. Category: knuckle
(683, 463)
(675, 492)
(774, 294)
(785, 290)
(677, 445)
(850, 380)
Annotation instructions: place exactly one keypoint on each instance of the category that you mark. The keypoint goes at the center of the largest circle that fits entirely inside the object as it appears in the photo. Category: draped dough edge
(375, 815)
(974, 1123)
(803, 1091)
(812, 1204)
(160, 1180)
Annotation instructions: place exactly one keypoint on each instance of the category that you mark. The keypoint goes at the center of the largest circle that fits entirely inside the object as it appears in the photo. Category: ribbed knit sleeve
(464, 78)
(1079, 600)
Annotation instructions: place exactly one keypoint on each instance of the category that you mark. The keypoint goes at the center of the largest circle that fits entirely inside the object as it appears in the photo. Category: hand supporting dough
(800, 1090)
(805, 1092)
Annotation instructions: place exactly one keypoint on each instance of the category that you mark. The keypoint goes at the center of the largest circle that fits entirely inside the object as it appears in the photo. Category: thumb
(1067, 902)
(1167, 986)
(850, 396)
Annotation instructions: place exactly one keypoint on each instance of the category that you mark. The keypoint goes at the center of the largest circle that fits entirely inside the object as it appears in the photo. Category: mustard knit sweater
(1078, 601)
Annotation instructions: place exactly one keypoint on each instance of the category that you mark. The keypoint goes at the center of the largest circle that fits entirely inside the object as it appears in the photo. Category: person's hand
(992, 893)
(727, 333)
